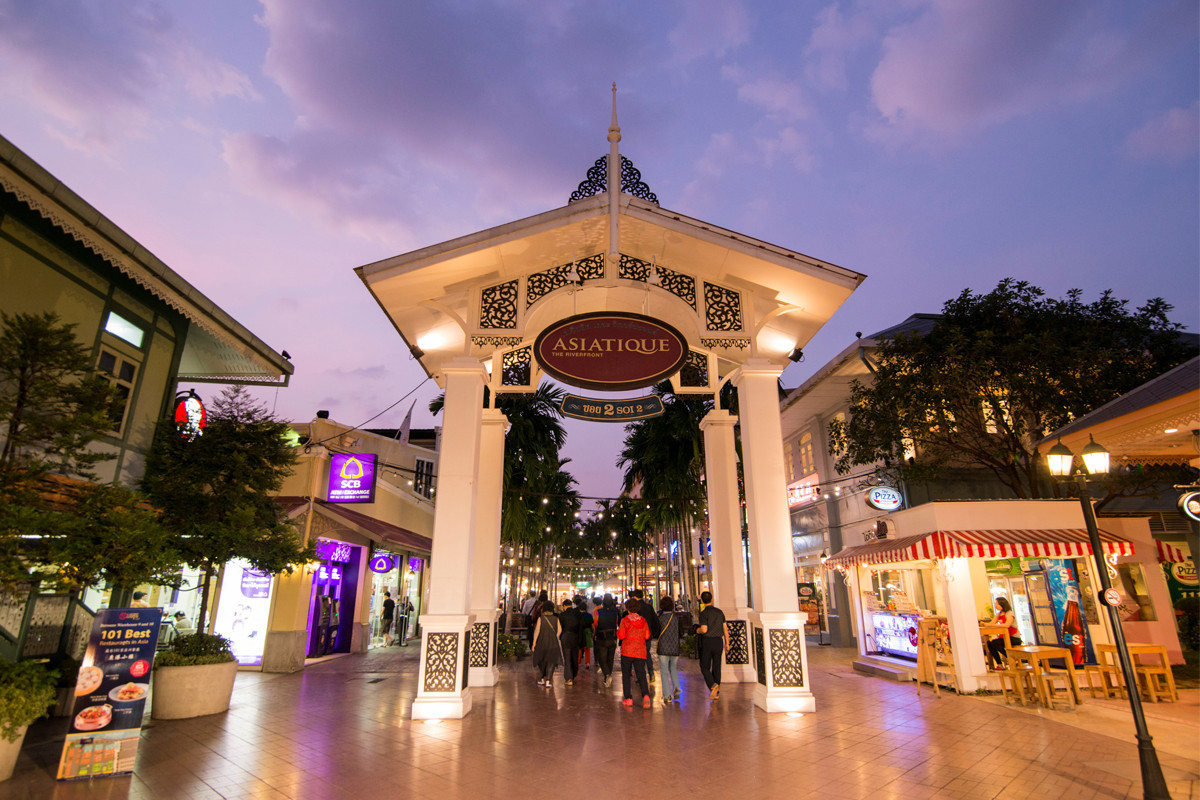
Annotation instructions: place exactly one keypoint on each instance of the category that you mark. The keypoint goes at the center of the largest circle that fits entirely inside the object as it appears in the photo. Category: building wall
(45, 270)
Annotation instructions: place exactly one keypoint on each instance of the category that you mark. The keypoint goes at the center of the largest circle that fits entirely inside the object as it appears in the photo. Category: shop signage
(884, 498)
(352, 478)
(191, 417)
(611, 410)
(382, 563)
(804, 490)
(610, 351)
(110, 694)
(336, 552)
(1189, 505)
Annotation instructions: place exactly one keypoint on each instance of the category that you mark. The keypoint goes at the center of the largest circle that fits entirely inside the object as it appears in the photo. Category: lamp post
(1061, 461)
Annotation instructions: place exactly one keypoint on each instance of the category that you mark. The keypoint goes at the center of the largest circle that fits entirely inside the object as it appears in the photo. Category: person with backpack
(572, 634)
(607, 620)
(634, 634)
(647, 612)
(587, 640)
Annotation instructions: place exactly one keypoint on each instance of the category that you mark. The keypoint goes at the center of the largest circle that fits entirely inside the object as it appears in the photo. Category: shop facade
(952, 560)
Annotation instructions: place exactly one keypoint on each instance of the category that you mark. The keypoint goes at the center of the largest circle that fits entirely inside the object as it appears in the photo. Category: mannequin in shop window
(1006, 617)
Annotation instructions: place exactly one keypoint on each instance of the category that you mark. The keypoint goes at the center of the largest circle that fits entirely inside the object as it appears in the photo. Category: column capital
(756, 367)
(718, 417)
(494, 416)
(464, 366)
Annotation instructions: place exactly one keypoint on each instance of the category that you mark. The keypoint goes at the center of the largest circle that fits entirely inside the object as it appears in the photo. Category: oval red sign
(610, 351)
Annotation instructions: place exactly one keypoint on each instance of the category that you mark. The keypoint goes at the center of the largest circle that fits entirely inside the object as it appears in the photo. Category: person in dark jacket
(547, 650)
(607, 620)
(572, 634)
(587, 639)
(668, 650)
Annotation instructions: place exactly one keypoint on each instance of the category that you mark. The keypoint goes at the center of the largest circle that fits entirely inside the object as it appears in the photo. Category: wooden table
(1145, 670)
(1037, 656)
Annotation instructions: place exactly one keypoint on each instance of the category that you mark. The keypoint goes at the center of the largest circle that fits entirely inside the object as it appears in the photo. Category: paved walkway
(341, 729)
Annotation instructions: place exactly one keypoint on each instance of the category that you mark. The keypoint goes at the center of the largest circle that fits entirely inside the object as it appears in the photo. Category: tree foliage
(217, 492)
(999, 372)
(54, 529)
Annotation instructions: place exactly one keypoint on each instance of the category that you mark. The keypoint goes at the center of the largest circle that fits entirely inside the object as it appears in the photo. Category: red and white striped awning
(1168, 552)
(1004, 543)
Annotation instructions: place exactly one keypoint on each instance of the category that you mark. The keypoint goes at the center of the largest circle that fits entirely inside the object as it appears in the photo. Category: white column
(725, 529)
(442, 691)
(963, 620)
(778, 639)
(485, 573)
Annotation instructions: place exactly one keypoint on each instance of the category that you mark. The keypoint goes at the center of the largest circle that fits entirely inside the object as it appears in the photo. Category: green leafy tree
(217, 492)
(54, 528)
(999, 372)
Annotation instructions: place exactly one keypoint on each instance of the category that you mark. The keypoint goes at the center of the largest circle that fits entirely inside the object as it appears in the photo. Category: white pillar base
(738, 665)
(482, 668)
(782, 663)
(442, 691)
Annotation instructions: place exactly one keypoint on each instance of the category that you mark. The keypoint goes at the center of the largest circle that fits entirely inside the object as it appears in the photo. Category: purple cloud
(1174, 135)
(835, 38)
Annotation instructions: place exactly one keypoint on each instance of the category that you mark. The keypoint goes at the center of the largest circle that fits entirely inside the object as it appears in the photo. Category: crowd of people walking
(577, 633)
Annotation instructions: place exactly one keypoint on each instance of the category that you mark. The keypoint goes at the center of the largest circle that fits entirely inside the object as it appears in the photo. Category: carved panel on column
(739, 648)
(498, 306)
(694, 371)
(761, 655)
(441, 657)
(722, 308)
(466, 670)
(516, 367)
(787, 668)
(479, 644)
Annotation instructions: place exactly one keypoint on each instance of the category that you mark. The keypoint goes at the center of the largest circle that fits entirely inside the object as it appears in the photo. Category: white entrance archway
(470, 310)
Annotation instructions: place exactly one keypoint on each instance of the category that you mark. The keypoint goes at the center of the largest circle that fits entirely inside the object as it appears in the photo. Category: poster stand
(934, 655)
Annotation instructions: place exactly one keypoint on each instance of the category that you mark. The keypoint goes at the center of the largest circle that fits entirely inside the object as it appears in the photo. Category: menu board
(110, 694)
(896, 634)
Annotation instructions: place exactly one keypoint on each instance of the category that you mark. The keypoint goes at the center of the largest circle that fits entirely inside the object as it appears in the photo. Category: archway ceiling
(433, 295)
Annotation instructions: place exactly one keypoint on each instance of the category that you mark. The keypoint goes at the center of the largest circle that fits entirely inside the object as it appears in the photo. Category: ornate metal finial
(614, 130)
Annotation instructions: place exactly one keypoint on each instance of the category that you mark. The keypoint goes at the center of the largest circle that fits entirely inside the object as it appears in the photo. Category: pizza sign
(885, 498)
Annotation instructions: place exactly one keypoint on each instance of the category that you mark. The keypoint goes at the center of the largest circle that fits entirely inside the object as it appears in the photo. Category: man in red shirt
(633, 633)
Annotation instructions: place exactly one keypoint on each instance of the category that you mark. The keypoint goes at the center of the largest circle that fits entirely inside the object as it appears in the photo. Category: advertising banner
(243, 610)
(110, 694)
(1062, 582)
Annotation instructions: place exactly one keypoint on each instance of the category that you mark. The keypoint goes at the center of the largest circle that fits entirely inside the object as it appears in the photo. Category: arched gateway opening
(613, 282)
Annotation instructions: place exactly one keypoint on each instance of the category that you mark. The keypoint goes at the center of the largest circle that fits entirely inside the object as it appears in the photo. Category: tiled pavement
(341, 729)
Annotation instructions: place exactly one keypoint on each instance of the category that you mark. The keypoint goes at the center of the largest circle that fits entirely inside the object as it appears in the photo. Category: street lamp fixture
(1095, 458)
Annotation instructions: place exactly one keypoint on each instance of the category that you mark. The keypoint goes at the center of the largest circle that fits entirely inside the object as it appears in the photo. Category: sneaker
(541, 682)
(666, 702)
(570, 683)
(607, 680)
(716, 690)
(628, 701)
(677, 696)
(646, 701)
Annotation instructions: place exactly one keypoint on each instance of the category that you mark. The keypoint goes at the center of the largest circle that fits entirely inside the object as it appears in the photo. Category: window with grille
(423, 478)
(121, 372)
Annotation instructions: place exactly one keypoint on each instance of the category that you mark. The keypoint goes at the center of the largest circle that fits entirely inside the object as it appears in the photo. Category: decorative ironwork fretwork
(739, 648)
(496, 341)
(597, 181)
(724, 344)
(12, 611)
(678, 284)
(760, 655)
(540, 284)
(441, 657)
(516, 367)
(694, 371)
(466, 671)
(480, 635)
(498, 309)
(787, 667)
(45, 625)
(722, 308)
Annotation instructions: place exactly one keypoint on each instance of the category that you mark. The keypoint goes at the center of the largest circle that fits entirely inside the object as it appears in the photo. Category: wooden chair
(1020, 676)
(1156, 678)
(1048, 677)
(1109, 675)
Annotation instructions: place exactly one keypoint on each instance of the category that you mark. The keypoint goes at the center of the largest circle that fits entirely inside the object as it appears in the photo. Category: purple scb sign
(352, 478)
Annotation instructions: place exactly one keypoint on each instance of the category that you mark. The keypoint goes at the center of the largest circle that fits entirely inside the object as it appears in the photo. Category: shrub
(509, 646)
(26, 693)
(687, 645)
(195, 650)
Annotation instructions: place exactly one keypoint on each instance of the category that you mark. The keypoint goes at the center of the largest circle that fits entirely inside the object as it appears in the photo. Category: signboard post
(110, 694)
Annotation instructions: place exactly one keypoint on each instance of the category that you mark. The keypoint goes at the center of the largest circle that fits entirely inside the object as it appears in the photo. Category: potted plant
(194, 678)
(510, 648)
(26, 693)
